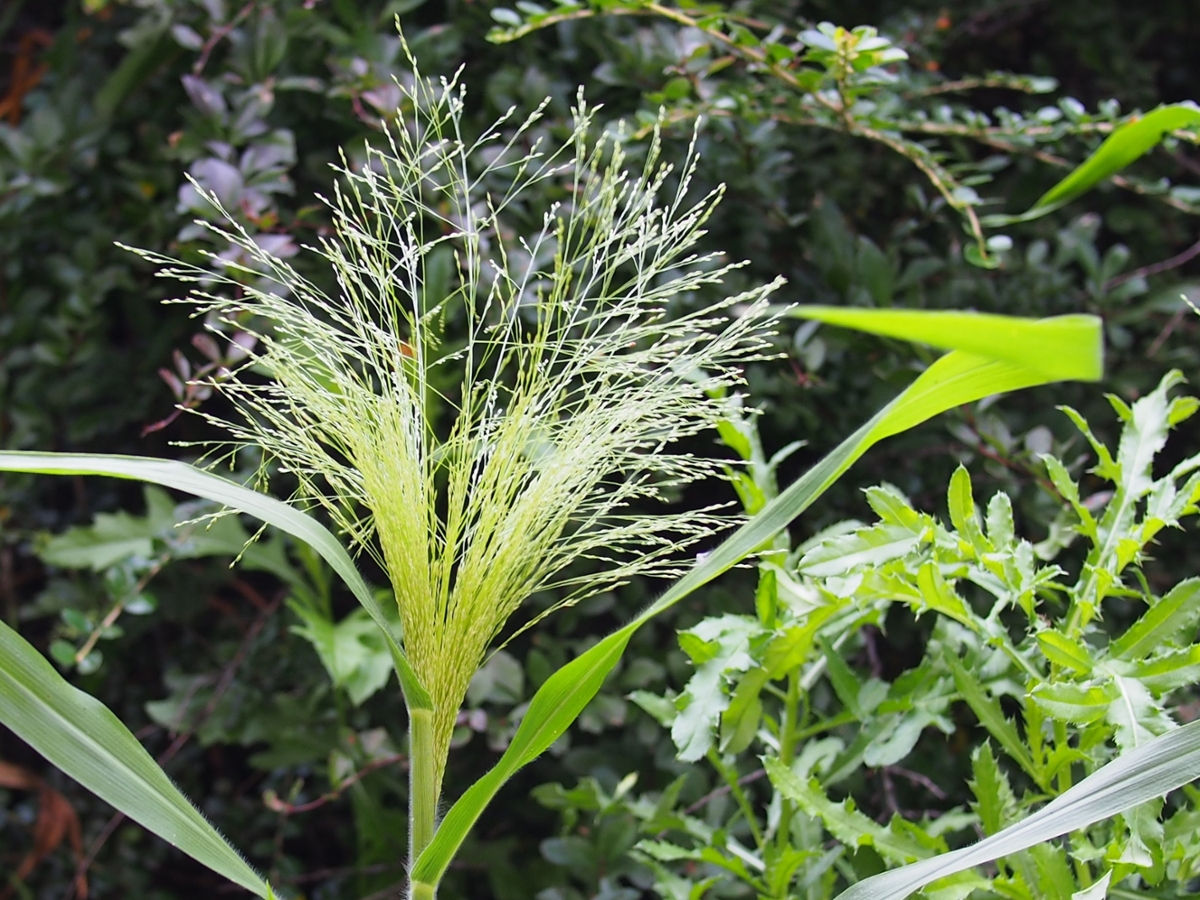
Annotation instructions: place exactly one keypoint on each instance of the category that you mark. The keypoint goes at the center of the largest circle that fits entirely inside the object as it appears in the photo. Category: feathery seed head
(479, 410)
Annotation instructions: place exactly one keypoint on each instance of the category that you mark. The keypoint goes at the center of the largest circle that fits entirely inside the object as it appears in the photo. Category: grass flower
(480, 411)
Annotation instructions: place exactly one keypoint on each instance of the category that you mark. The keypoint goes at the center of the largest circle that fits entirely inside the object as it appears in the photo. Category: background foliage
(263, 708)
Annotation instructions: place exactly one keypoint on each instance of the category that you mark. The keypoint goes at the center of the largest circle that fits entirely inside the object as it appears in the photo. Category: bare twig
(1157, 268)
(1187, 162)
(723, 790)
(282, 806)
(219, 34)
(918, 778)
(1171, 325)
(1011, 82)
(119, 607)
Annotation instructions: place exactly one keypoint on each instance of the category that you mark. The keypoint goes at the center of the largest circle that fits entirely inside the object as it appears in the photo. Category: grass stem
(424, 784)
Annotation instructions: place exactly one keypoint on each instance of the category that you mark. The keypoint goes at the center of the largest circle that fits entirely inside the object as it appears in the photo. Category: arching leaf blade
(1070, 344)
(80, 736)
(183, 477)
(957, 378)
(1126, 144)
(1163, 764)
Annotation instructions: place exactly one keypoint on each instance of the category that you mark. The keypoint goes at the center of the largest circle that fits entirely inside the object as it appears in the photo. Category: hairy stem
(424, 787)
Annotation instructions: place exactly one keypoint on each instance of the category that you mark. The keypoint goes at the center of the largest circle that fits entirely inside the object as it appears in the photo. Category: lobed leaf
(842, 820)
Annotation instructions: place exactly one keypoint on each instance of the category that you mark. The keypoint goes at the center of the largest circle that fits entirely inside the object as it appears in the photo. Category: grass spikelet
(481, 438)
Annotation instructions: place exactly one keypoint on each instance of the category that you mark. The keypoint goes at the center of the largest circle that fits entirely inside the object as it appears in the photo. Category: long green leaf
(959, 377)
(1064, 347)
(79, 735)
(85, 740)
(1161, 765)
(182, 477)
(1126, 144)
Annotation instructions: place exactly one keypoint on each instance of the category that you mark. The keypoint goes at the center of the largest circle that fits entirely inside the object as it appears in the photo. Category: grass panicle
(479, 433)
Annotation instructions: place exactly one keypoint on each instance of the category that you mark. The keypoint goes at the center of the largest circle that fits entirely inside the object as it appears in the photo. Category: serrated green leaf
(1066, 486)
(699, 651)
(1053, 878)
(1134, 714)
(1063, 651)
(963, 515)
(867, 547)
(1000, 528)
(995, 802)
(1144, 436)
(845, 683)
(740, 721)
(1075, 703)
(1171, 670)
(1182, 409)
(938, 595)
(893, 508)
(1175, 614)
(706, 695)
(842, 820)
(987, 710)
(790, 647)
(1107, 466)
(1097, 891)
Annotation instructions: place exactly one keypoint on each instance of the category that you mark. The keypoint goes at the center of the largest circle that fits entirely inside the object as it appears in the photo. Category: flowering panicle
(480, 411)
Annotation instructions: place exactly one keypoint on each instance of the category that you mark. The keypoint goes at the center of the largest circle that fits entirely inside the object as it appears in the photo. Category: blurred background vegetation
(106, 106)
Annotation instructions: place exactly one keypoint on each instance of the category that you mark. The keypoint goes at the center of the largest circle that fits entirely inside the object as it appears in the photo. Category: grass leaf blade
(182, 477)
(79, 735)
(1126, 144)
(957, 378)
(1161, 765)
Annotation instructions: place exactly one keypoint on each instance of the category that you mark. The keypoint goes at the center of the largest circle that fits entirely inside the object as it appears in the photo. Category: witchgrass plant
(477, 443)
(489, 437)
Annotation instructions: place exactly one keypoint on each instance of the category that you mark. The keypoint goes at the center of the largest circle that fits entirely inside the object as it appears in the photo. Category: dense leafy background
(108, 105)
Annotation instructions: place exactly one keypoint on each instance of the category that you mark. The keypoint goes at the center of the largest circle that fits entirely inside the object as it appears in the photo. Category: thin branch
(1011, 82)
(723, 790)
(918, 778)
(1157, 268)
(119, 607)
(1170, 327)
(282, 806)
(219, 34)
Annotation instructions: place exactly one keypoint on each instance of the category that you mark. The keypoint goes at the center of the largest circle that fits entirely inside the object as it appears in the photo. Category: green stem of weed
(422, 891)
(729, 773)
(789, 726)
